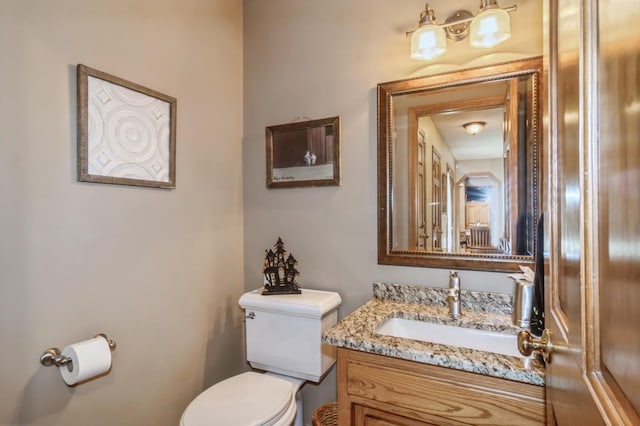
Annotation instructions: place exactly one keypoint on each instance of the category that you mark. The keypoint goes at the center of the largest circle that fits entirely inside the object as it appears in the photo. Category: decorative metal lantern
(280, 271)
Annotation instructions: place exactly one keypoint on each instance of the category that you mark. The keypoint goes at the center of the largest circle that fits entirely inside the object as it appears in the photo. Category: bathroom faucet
(453, 295)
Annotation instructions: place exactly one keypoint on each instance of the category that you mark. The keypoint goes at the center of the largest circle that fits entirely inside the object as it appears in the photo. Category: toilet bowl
(251, 399)
(283, 338)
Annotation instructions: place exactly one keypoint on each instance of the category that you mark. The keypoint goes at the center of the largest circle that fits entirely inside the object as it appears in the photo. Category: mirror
(456, 197)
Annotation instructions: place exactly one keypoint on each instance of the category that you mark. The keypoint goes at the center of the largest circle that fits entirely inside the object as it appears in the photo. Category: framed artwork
(126, 132)
(304, 154)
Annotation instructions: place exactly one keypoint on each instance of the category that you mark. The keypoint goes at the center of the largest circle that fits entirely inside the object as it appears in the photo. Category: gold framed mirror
(458, 168)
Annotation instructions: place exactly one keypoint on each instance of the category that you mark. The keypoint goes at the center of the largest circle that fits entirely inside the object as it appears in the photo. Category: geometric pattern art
(126, 132)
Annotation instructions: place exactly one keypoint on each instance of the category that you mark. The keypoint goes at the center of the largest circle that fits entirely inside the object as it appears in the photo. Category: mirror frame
(432, 259)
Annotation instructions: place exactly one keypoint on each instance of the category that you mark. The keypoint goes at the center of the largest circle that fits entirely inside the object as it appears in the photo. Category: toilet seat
(248, 399)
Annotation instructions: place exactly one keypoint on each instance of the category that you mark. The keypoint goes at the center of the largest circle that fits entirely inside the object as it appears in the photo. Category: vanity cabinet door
(380, 390)
(367, 416)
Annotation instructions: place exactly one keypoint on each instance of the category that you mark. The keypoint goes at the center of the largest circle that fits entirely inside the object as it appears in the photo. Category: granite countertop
(484, 311)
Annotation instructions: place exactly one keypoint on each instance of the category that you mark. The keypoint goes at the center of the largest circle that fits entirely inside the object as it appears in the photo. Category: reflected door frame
(418, 236)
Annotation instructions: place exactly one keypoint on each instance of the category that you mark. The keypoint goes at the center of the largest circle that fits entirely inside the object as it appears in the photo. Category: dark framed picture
(126, 132)
(304, 154)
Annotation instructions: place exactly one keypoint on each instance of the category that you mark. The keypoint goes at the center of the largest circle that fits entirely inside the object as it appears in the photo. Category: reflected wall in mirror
(458, 197)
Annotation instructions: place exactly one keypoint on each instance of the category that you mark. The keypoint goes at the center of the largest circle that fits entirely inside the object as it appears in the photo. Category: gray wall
(317, 60)
(159, 271)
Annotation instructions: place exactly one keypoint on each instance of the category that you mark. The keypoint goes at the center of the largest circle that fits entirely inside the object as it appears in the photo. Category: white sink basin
(488, 341)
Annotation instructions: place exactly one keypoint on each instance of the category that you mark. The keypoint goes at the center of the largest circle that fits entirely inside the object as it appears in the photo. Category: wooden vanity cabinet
(376, 390)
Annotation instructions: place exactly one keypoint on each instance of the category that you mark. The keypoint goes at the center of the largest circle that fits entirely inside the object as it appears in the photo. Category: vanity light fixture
(490, 27)
(428, 41)
(474, 127)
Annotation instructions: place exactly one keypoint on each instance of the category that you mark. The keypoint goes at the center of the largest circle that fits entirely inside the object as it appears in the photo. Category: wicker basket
(326, 415)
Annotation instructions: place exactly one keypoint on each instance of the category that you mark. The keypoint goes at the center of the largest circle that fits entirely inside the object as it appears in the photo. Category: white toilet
(283, 337)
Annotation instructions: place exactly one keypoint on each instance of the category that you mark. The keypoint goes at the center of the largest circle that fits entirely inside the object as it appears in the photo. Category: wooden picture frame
(126, 132)
(304, 154)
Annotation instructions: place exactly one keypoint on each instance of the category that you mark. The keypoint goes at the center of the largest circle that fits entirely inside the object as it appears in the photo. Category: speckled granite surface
(357, 331)
(471, 300)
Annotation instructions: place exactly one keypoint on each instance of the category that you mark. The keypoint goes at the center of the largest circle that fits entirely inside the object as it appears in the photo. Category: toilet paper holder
(53, 357)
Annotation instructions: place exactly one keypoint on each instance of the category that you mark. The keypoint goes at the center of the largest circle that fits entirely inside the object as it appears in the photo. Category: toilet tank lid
(311, 303)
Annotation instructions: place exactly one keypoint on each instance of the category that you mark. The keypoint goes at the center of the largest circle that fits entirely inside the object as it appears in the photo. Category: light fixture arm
(427, 16)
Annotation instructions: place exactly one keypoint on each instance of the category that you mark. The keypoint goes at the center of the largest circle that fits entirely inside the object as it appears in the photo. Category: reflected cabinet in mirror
(458, 168)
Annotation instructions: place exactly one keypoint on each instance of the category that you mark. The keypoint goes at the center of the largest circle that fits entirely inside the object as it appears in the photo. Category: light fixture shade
(474, 127)
(490, 28)
(428, 42)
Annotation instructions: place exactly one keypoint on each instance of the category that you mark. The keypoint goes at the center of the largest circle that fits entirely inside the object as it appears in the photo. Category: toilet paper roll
(89, 359)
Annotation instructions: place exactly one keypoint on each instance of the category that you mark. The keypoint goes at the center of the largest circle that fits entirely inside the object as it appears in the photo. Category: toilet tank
(283, 332)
